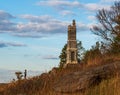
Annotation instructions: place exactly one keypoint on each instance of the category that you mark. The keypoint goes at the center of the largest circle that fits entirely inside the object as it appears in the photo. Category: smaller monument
(72, 44)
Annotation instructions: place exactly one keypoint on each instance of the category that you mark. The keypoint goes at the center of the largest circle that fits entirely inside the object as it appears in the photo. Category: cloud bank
(45, 25)
(14, 44)
(35, 27)
(62, 5)
(6, 25)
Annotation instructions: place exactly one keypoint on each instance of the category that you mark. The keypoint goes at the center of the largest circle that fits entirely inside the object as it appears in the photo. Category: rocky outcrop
(81, 80)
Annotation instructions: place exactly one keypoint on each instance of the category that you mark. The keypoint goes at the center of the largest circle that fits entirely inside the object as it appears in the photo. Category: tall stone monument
(72, 44)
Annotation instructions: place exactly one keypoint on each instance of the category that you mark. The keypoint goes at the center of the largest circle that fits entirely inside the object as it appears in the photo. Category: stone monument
(72, 44)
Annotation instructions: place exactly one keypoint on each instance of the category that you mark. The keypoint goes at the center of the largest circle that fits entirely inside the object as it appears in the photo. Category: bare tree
(108, 27)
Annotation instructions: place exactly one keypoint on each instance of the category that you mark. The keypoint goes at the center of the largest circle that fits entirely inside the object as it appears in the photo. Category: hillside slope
(72, 80)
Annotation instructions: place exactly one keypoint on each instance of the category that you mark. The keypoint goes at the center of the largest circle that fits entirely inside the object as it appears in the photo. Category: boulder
(81, 80)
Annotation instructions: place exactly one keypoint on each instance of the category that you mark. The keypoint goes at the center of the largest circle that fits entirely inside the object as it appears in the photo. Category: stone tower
(72, 44)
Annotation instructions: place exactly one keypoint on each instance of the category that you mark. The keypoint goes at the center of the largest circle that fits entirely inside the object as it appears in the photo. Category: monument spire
(73, 23)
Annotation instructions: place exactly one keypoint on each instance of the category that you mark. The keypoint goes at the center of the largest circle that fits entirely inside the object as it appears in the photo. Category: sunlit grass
(98, 60)
(106, 87)
(43, 84)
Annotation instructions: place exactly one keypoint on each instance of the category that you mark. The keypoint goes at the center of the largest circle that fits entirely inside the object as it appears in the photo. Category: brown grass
(43, 84)
(104, 59)
(106, 87)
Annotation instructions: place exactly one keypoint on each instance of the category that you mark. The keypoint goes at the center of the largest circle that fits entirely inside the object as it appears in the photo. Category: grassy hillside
(44, 84)
(106, 87)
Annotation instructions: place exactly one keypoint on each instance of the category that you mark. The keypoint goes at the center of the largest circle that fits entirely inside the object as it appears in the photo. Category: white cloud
(67, 13)
(37, 26)
(29, 35)
(95, 6)
(14, 44)
(5, 23)
(82, 27)
(109, 1)
(41, 25)
(59, 4)
(5, 15)
(33, 18)
(92, 18)
(63, 5)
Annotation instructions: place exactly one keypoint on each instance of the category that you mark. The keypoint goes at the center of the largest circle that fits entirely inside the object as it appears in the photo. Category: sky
(33, 32)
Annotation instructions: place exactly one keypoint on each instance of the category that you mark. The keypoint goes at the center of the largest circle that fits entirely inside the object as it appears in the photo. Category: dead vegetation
(45, 84)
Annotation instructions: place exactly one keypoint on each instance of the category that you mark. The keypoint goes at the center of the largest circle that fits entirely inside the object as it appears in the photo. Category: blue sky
(33, 32)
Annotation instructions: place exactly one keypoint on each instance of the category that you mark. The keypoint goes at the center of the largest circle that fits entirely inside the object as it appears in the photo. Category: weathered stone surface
(72, 44)
(81, 80)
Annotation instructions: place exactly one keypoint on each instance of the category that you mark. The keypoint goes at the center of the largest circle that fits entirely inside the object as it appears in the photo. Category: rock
(81, 80)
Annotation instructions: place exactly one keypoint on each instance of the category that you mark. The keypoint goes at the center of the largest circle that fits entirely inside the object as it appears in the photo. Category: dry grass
(106, 87)
(2, 86)
(43, 84)
(104, 59)
(39, 85)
